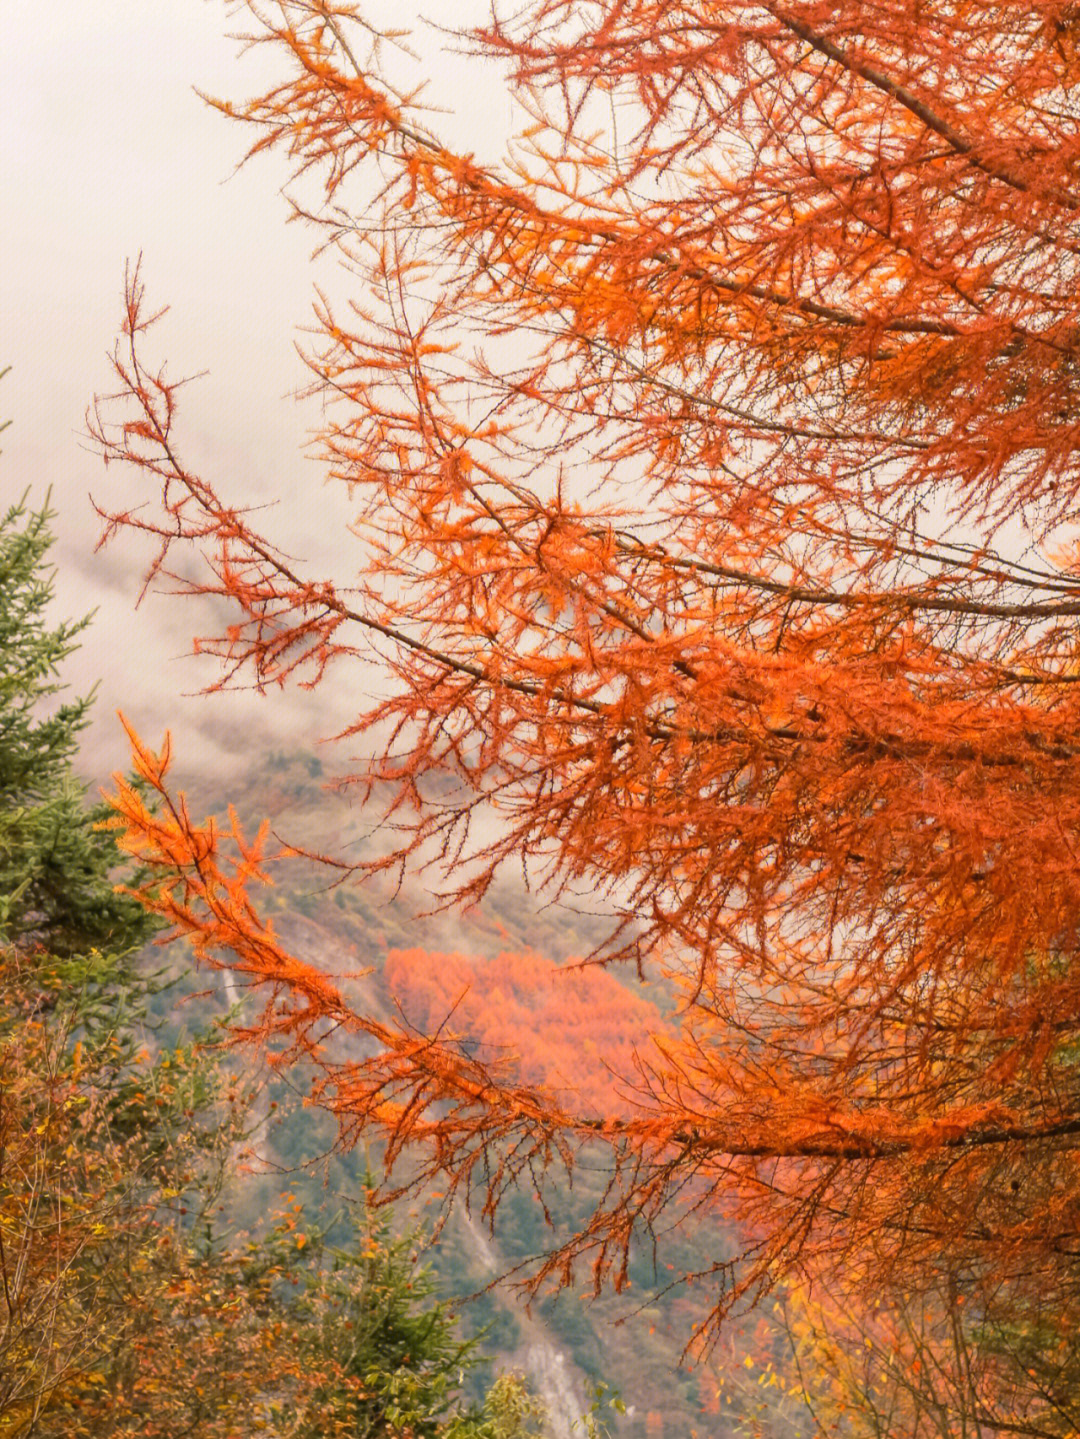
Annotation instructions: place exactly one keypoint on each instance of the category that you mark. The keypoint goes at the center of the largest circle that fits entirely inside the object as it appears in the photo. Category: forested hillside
(502, 979)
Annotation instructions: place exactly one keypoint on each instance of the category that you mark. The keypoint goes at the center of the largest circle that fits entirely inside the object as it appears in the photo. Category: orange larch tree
(714, 456)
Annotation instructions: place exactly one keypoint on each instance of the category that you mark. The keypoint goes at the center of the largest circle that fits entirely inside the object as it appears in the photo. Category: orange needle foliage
(716, 464)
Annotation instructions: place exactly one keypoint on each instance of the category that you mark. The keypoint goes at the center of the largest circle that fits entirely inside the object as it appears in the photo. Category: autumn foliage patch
(571, 1029)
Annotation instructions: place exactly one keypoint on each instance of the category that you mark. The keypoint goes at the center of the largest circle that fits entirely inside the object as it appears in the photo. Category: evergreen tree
(54, 864)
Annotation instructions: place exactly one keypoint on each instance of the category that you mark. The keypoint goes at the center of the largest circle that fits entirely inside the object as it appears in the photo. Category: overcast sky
(106, 151)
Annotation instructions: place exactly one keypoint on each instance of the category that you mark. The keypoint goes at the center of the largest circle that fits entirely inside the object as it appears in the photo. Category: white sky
(105, 150)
